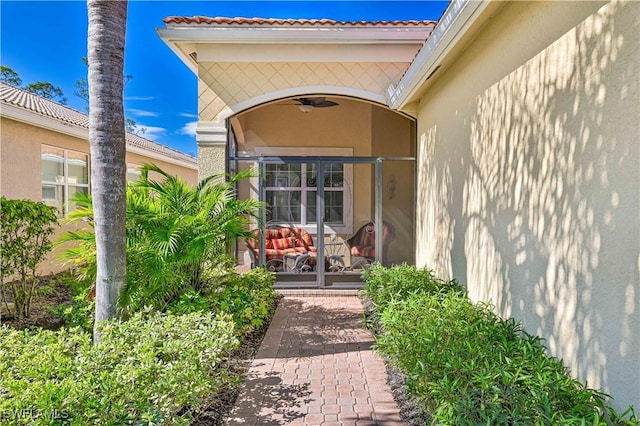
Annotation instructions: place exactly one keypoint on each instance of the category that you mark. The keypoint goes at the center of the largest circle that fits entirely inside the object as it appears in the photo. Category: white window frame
(344, 228)
(65, 184)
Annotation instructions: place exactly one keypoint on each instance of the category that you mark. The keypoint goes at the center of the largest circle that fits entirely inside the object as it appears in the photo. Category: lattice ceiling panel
(225, 84)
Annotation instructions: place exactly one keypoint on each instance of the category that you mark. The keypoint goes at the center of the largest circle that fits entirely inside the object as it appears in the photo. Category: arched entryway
(334, 172)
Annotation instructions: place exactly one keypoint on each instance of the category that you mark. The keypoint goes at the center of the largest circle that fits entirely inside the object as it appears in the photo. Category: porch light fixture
(305, 108)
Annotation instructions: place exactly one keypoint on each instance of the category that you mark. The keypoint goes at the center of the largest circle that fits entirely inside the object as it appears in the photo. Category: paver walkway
(316, 367)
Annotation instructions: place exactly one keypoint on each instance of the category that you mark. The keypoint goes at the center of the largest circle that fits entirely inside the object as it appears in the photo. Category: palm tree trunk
(107, 25)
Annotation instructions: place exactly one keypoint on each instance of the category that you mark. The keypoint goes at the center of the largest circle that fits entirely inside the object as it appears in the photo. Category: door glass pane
(52, 164)
(398, 208)
(284, 206)
(78, 168)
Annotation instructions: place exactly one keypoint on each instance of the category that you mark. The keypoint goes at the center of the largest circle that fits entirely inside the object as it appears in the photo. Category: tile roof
(238, 21)
(17, 97)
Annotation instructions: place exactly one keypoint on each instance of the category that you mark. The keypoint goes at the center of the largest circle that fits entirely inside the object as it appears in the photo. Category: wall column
(212, 147)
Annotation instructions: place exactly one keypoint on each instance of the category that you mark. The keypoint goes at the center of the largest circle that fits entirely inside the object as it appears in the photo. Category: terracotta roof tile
(292, 22)
(17, 97)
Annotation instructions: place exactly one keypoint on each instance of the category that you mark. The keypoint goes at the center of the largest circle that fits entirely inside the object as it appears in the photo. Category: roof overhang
(461, 20)
(284, 43)
(134, 145)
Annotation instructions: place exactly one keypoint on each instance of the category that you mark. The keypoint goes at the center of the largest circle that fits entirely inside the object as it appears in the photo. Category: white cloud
(150, 132)
(188, 115)
(139, 98)
(189, 129)
(142, 113)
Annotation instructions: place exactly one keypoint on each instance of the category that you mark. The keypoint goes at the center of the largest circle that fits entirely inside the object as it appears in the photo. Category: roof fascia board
(254, 52)
(319, 35)
(173, 45)
(158, 156)
(32, 118)
(456, 21)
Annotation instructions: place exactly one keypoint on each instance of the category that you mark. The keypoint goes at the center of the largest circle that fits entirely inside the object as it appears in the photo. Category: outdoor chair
(282, 243)
(362, 245)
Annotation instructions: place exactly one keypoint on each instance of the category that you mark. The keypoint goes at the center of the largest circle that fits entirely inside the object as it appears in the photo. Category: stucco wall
(188, 175)
(21, 174)
(528, 180)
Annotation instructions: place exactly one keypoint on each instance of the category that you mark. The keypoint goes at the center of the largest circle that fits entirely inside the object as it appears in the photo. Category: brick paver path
(316, 367)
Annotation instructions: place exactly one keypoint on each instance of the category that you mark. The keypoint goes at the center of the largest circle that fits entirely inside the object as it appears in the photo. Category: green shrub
(468, 366)
(24, 242)
(249, 297)
(81, 312)
(384, 285)
(151, 369)
(188, 302)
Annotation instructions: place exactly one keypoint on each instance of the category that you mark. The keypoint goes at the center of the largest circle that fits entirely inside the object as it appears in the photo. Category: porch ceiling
(242, 62)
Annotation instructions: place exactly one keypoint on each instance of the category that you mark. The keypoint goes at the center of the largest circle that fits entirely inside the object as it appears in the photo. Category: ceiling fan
(308, 104)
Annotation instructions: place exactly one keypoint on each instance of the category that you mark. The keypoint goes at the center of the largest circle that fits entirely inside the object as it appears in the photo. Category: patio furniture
(362, 245)
(280, 241)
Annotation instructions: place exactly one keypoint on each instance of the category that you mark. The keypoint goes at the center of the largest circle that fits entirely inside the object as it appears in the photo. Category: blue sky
(45, 41)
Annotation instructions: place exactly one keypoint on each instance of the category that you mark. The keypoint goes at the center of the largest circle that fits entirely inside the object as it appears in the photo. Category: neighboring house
(44, 153)
(519, 128)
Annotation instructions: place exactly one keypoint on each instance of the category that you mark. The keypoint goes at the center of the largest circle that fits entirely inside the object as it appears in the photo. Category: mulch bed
(51, 291)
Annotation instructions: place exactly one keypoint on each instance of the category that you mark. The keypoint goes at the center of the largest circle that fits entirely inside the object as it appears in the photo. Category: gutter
(456, 21)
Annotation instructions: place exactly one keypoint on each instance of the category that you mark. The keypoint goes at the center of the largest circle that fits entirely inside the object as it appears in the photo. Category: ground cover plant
(173, 356)
(467, 366)
(153, 368)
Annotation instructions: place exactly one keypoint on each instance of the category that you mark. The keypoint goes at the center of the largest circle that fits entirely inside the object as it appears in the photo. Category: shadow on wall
(539, 209)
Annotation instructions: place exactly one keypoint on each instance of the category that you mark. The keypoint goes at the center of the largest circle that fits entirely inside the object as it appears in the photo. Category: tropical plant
(249, 297)
(106, 37)
(174, 233)
(24, 242)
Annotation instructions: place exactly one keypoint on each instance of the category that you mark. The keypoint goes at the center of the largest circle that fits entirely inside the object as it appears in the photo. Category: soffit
(227, 84)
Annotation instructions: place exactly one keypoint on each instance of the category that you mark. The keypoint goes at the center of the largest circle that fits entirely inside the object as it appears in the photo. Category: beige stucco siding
(20, 157)
(528, 176)
(20, 167)
(188, 175)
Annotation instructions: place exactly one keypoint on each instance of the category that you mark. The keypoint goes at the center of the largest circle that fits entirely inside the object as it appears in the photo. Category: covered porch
(304, 102)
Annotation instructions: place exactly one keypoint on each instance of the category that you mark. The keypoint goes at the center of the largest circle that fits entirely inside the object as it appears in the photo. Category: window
(290, 189)
(291, 193)
(64, 173)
